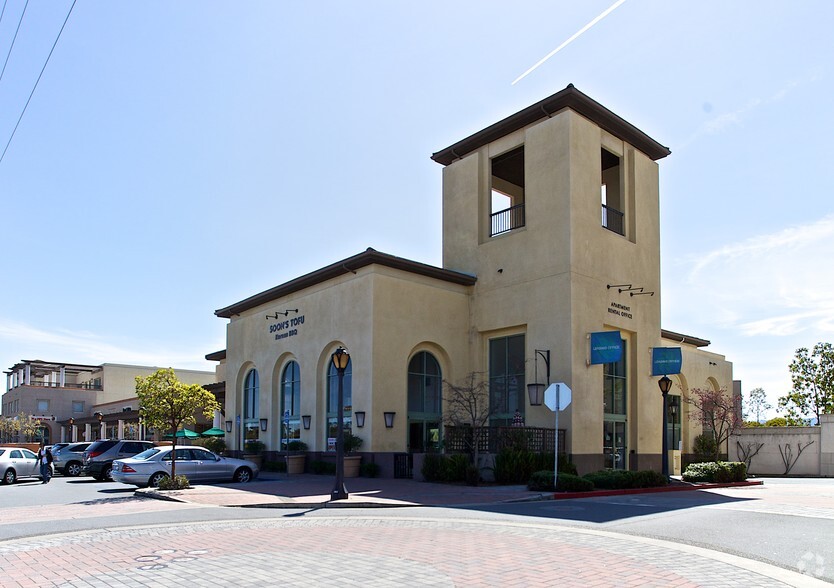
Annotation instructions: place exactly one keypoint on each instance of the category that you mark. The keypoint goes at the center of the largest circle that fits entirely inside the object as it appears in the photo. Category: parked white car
(18, 462)
(195, 463)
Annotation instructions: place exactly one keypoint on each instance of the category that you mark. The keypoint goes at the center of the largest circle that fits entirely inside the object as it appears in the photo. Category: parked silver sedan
(18, 462)
(195, 463)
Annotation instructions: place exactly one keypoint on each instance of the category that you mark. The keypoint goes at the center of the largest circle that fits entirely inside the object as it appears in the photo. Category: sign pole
(556, 443)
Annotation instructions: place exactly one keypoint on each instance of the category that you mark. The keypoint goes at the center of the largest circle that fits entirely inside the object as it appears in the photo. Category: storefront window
(250, 405)
(332, 402)
(290, 404)
(506, 378)
(614, 398)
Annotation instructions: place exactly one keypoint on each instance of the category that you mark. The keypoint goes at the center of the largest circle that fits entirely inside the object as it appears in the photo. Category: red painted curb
(673, 488)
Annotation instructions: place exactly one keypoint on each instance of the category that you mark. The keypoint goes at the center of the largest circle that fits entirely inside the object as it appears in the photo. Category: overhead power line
(20, 118)
(16, 31)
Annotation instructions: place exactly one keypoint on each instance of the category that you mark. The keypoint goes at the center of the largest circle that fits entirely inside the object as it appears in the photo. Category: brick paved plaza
(357, 550)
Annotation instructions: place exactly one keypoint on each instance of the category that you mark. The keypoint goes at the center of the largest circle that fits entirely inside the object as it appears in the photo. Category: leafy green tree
(21, 427)
(757, 403)
(167, 404)
(812, 376)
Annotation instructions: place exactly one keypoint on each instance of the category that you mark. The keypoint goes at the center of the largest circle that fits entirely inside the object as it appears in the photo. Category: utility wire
(17, 30)
(4, 10)
(38, 80)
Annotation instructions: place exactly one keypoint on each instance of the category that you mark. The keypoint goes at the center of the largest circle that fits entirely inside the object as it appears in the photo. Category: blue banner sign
(606, 347)
(666, 361)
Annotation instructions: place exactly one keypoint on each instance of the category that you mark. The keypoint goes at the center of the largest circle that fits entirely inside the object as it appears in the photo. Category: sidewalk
(279, 490)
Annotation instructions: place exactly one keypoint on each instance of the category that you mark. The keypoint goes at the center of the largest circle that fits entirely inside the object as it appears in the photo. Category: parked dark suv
(99, 456)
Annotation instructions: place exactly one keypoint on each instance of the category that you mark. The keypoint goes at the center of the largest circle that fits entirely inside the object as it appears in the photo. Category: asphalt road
(788, 523)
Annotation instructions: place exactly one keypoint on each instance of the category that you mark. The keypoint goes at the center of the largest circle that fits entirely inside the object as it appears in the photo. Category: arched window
(424, 403)
(251, 388)
(333, 399)
(290, 404)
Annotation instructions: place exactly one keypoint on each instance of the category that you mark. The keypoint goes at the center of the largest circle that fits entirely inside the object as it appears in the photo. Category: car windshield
(148, 453)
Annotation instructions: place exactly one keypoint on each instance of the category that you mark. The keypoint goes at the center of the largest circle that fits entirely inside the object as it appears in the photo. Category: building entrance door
(423, 436)
(614, 444)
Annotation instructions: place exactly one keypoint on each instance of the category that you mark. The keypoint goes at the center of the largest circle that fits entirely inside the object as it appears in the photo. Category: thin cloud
(792, 238)
(767, 285)
(727, 120)
(85, 348)
(575, 36)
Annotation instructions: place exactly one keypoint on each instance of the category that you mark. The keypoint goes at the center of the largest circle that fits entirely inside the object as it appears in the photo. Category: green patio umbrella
(213, 432)
(184, 433)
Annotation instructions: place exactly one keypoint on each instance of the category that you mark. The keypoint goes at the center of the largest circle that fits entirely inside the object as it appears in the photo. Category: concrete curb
(655, 490)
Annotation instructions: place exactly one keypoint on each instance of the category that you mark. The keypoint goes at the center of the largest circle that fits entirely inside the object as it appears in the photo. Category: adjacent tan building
(68, 398)
(551, 233)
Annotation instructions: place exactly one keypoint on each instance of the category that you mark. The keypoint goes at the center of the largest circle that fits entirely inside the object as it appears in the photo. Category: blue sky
(177, 157)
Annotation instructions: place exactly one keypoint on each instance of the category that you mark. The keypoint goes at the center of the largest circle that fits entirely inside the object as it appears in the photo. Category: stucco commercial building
(551, 237)
(77, 402)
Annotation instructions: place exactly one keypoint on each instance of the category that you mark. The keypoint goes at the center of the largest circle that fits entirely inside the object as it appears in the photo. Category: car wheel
(105, 475)
(243, 475)
(10, 476)
(157, 478)
(73, 469)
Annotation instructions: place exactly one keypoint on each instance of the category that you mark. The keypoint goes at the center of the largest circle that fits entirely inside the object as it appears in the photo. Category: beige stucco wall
(549, 279)
(701, 369)
(382, 316)
(777, 442)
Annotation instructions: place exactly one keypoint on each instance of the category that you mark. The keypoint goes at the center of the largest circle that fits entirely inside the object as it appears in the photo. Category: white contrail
(608, 11)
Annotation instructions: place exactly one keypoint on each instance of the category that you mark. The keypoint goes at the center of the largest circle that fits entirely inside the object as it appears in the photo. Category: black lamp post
(665, 383)
(340, 359)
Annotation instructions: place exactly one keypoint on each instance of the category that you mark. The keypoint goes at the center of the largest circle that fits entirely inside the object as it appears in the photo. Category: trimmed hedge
(445, 468)
(318, 466)
(369, 470)
(516, 466)
(543, 480)
(716, 471)
(620, 479)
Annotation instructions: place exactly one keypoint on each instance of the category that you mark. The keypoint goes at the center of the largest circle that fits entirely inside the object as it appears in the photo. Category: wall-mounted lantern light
(360, 418)
(264, 423)
(228, 426)
(535, 391)
(389, 419)
(305, 420)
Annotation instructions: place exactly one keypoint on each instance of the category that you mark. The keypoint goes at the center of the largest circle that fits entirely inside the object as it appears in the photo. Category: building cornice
(350, 265)
(571, 98)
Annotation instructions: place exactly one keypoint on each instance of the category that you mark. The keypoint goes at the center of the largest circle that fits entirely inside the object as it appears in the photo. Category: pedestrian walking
(45, 463)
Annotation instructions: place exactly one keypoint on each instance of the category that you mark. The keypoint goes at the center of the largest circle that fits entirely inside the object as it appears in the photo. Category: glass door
(614, 445)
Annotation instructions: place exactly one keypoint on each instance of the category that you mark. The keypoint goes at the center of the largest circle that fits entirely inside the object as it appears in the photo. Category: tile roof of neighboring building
(350, 265)
(571, 98)
(688, 339)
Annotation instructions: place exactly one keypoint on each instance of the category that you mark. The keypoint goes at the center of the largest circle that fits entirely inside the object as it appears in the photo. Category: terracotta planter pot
(257, 459)
(352, 463)
(295, 464)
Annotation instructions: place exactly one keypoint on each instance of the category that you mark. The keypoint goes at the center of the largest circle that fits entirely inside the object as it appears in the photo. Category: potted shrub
(352, 462)
(295, 461)
(253, 451)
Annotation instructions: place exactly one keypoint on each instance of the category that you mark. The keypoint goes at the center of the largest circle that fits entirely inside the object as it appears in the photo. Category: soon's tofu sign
(286, 328)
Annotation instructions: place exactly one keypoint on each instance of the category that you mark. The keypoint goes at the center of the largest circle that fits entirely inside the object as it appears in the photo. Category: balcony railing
(612, 219)
(506, 220)
(81, 386)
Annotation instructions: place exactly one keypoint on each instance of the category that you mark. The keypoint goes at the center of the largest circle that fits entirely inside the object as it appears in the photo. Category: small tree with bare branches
(468, 407)
(718, 412)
